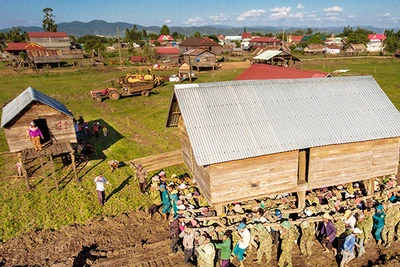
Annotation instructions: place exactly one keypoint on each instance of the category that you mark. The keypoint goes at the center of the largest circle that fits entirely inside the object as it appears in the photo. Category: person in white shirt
(100, 188)
(349, 220)
(244, 240)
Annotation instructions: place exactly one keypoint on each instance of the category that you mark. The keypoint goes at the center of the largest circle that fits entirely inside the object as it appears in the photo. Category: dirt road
(134, 240)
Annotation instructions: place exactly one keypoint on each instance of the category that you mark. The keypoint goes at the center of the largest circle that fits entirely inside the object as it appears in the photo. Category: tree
(197, 34)
(309, 31)
(392, 41)
(164, 30)
(48, 22)
(298, 32)
(2, 41)
(15, 35)
(359, 36)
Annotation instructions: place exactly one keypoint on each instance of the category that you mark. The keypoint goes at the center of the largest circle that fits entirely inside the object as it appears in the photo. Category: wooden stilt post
(24, 171)
(219, 209)
(369, 186)
(54, 174)
(301, 199)
(73, 163)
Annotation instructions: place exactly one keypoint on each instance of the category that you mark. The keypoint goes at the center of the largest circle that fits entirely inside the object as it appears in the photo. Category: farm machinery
(130, 84)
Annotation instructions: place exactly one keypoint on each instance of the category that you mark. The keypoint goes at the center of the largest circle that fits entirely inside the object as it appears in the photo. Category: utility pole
(119, 49)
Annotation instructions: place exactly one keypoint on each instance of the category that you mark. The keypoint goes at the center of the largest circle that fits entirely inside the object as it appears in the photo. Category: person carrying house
(265, 241)
(225, 248)
(307, 237)
(348, 247)
(243, 235)
(35, 134)
(288, 240)
(165, 201)
(379, 223)
(328, 233)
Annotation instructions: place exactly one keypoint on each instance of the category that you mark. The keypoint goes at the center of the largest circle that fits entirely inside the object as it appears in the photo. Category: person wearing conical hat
(328, 233)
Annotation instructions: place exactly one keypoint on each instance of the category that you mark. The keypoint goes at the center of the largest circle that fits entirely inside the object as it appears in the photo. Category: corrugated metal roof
(30, 94)
(241, 119)
(268, 54)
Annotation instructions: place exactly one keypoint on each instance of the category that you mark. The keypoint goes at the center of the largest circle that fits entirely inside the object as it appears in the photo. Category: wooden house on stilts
(53, 119)
(244, 140)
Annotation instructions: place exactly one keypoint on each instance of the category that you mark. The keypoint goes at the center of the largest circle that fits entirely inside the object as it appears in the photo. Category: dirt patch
(235, 65)
(133, 240)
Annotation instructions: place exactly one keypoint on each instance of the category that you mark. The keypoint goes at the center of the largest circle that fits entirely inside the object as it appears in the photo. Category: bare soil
(133, 240)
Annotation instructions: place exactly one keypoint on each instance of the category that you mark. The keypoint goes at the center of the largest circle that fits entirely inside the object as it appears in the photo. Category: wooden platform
(54, 149)
(159, 161)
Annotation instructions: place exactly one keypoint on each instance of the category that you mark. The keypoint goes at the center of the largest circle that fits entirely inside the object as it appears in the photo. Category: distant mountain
(109, 29)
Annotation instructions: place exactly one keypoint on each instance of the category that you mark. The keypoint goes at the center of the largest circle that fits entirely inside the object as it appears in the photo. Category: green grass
(136, 129)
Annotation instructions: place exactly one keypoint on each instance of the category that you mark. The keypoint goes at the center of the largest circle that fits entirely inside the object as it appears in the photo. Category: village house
(314, 49)
(137, 59)
(51, 117)
(356, 49)
(167, 54)
(375, 44)
(261, 42)
(268, 72)
(56, 41)
(244, 140)
(165, 39)
(200, 58)
(35, 54)
(200, 43)
(277, 57)
(294, 39)
(332, 49)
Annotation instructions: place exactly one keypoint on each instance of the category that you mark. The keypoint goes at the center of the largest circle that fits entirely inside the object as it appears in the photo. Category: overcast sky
(241, 13)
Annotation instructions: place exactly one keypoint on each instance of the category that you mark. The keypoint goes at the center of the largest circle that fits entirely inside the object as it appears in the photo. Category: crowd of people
(342, 218)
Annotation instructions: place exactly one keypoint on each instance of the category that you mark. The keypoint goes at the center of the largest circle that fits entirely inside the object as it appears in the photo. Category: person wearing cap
(100, 188)
(225, 247)
(348, 247)
(35, 134)
(368, 213)
(165, 201)
(307, 237)
(141, 175)
(155, 197)
(288, 240)
(379, 223)
(243, 235)
(328, 233)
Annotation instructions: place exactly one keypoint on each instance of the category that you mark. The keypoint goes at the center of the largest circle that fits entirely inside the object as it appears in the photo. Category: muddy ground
(134, 240)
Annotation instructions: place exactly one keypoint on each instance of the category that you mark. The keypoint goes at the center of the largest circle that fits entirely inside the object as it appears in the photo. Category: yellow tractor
(130, 84)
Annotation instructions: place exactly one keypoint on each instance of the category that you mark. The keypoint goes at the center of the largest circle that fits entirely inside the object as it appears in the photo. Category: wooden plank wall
(198, 172)
(254, 177)
(336, 164)
(60, 126)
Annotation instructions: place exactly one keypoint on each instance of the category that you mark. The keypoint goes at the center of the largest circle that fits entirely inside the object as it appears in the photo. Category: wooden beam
(72, 153)
(301, 203)
(24, 171)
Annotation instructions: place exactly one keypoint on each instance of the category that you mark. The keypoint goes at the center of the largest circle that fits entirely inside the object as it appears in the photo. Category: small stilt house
(53, 119)
(245, 140)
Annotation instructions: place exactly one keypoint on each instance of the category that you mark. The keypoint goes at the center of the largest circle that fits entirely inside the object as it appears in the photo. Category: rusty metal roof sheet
(30, 94)
(241, 119)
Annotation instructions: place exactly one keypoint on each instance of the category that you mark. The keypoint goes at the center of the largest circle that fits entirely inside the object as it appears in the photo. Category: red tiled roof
(246, 35)
(268, 72)
(46, 34)
(200, 41)
(376, 36)
(137, 59)
(165, 38)
(23, 46)
(167, 50)
(264, 40)
(296, 38)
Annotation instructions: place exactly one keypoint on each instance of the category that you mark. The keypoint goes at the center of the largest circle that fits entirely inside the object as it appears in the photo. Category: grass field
(136, 129)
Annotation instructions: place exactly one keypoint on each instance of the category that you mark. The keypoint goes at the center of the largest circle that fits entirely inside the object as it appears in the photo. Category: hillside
(101, 27)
